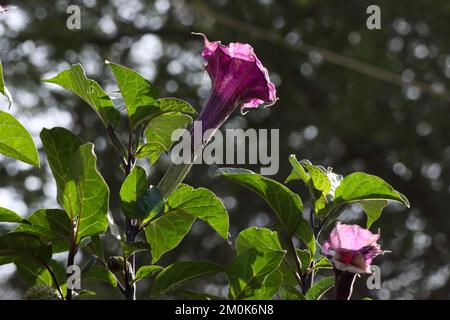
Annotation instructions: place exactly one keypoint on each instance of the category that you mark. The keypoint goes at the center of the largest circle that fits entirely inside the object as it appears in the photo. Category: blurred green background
(332, 110)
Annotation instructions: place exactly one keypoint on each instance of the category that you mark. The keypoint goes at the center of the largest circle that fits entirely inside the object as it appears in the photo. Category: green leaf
(33, 272)
(298, 172)
(371, 192)
(181, 273)
(132, 188)
(306, 234)
(159, 134)
(269, 288)
(16, 141)
(248, 271)
(146, 272)
(150, 204)
(175, 104)
(361, 186)
(82, 191)
(95, 246)
(130, 248)
(99, 273)
(319, 288)
(323, 263)
(87, 194)
(60, 145)
(138, 93)
(260, 238)
(7, 215)
(286, 204)
(318, 179)
(3, 90)
(74, 79)
(305, 258)
(200, 203)
(51, 225)
(23, 245)
(373, 210)
(166, 232)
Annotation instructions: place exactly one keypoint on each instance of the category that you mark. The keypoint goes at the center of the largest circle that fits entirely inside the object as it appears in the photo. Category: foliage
(266, 264)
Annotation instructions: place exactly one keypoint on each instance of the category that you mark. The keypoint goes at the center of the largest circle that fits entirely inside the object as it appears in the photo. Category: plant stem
(131, 230)
(70, 262)
(344, 284)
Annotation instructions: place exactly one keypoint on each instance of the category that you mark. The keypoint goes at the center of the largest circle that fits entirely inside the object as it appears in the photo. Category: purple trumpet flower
(238, 80)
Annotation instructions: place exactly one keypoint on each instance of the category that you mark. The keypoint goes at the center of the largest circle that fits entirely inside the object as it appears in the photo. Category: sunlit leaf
(15, 141)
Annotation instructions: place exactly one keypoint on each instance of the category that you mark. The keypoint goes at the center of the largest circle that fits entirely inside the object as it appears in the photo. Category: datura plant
(289, 260)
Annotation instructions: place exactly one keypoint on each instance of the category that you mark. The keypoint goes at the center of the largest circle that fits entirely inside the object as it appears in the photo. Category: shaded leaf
(133, 187)
(150, 204)
(51, 225)
(181, 273)
(319, 288)
(99, 273)
(130, 248)
(147, 272)
(23, 245)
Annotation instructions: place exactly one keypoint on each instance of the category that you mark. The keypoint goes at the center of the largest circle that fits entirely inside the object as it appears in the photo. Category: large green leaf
(16, 141)
(248, 271)
(81, 189)
(89, 193)
(260, 238)
(24, 245)
(159, 134)
(60, 145)
(319, 288)
(51, 225)
(3, 90)
(7, 215)
(200, 203)
(138, 93)
(166, 232)
(361, 186)
(181, 273)
(286, 204)
(132, 188)
(74, 79)
(372, 192)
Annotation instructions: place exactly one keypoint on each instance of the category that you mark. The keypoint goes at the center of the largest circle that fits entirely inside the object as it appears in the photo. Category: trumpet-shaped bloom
(351, 248)
(238, 80)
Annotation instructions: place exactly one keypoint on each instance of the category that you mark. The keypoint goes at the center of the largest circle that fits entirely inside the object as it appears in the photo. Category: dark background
(332, 110)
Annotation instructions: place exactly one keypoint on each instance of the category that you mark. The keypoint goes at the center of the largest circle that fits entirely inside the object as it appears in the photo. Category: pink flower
(238, 79)
(351, 248)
